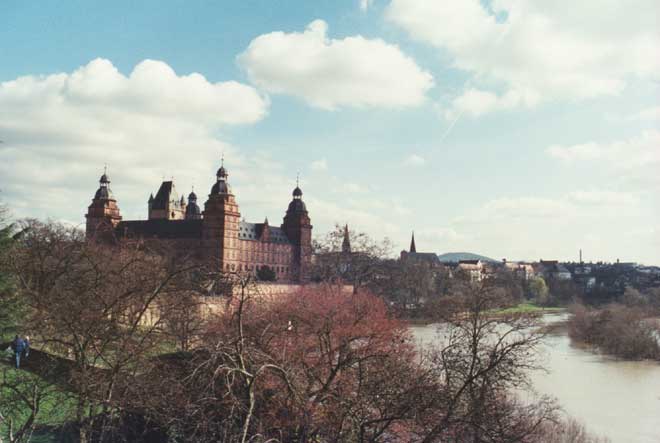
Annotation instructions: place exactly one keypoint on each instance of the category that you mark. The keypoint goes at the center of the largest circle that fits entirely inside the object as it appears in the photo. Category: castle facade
(216, 233)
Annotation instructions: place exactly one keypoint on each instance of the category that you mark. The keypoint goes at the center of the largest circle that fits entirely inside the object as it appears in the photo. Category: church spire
(412, 243)
(346, 244)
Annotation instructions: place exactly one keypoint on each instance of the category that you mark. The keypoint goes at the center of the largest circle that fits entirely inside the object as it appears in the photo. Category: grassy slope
(527, 308)
(56, 407)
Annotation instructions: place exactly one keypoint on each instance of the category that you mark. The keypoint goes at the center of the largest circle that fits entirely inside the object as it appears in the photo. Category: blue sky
(512, 128)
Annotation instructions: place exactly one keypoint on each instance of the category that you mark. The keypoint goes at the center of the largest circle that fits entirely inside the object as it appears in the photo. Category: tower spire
(346, 244)
(412, 243)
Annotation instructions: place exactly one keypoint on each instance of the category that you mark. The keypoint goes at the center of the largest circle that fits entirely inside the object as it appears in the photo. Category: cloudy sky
(512, 128)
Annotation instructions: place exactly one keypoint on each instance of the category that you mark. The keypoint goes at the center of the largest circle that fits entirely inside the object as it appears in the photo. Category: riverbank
(629, 333)
(522, 308)
(612, 397)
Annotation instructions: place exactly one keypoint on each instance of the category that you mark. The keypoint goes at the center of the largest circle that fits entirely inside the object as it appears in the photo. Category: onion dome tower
(221, 185)
(221, 223)
(192, 210)
(298, 228)
(103, 213)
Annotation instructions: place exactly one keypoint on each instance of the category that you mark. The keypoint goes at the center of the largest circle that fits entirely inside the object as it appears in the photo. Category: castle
(216, 233)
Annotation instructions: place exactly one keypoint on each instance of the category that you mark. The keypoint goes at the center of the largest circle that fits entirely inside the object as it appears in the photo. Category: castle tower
(221, 223)
(192, 209)
(103, 213)
(265, 232)
(167, 205)
(298, 229)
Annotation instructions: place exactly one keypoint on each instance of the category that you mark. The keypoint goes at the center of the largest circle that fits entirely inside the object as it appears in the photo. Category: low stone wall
(262, 291)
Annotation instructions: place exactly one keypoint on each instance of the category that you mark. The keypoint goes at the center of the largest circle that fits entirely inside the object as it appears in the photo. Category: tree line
(629, 329)
(125, 350)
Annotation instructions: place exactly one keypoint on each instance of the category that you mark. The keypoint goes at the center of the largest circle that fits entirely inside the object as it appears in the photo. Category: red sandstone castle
(217, 232)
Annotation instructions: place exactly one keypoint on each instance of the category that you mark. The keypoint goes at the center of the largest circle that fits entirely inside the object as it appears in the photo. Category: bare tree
(359, 267)
(481, 359)
(97, 306)
(23, 398)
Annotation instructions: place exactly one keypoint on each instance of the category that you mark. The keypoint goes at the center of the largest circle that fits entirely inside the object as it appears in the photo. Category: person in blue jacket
(18, 346)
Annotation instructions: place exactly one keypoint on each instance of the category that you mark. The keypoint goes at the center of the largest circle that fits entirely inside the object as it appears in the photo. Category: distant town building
(552, 269)
(522, 271)
(474, 269)
(217, 232)
(430, 258)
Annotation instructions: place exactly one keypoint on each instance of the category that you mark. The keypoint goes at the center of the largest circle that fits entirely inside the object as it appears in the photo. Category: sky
(516, 129)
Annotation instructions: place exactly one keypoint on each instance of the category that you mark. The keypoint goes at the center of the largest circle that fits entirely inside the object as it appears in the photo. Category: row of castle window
(235, 242)
(240, 267)
(270, 258)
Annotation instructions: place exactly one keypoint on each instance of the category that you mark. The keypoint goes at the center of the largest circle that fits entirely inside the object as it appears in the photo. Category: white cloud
(60, 129)
(475, 102)
(601, 221)
(353, 188)
(610, 199)
(648, 114)
(365, 4)
(514, 208)
(633, 162)
(589, 203)
(637, 152)
(320, 165)
(415, 160)
(333, 73)
(538, 51)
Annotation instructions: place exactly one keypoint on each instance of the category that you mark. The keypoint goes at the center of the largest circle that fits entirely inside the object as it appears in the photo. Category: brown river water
(615, 399)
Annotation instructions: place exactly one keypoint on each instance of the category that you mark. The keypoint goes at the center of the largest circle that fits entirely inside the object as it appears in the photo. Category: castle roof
(297, 206)
(104, 192)
(253, 231)
(160, 228)
(166, 193)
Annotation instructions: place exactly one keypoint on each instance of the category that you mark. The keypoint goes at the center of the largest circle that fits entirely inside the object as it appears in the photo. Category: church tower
(298, 229)
(346, 243)
(220, 224)
(103, 213)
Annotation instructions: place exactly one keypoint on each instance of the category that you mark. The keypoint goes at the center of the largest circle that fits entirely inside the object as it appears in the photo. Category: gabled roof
(165, 194)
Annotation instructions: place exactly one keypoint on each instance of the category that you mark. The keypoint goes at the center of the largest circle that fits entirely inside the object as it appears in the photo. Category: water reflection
(617, 399)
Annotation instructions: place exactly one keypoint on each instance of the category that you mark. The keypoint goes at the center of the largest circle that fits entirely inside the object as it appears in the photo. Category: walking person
(26, 352)
(18, 346)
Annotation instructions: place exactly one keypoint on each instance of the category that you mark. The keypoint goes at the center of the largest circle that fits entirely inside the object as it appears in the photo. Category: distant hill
(456, 256)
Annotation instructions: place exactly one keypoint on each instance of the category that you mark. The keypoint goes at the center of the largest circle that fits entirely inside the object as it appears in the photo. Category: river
(616, 399)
